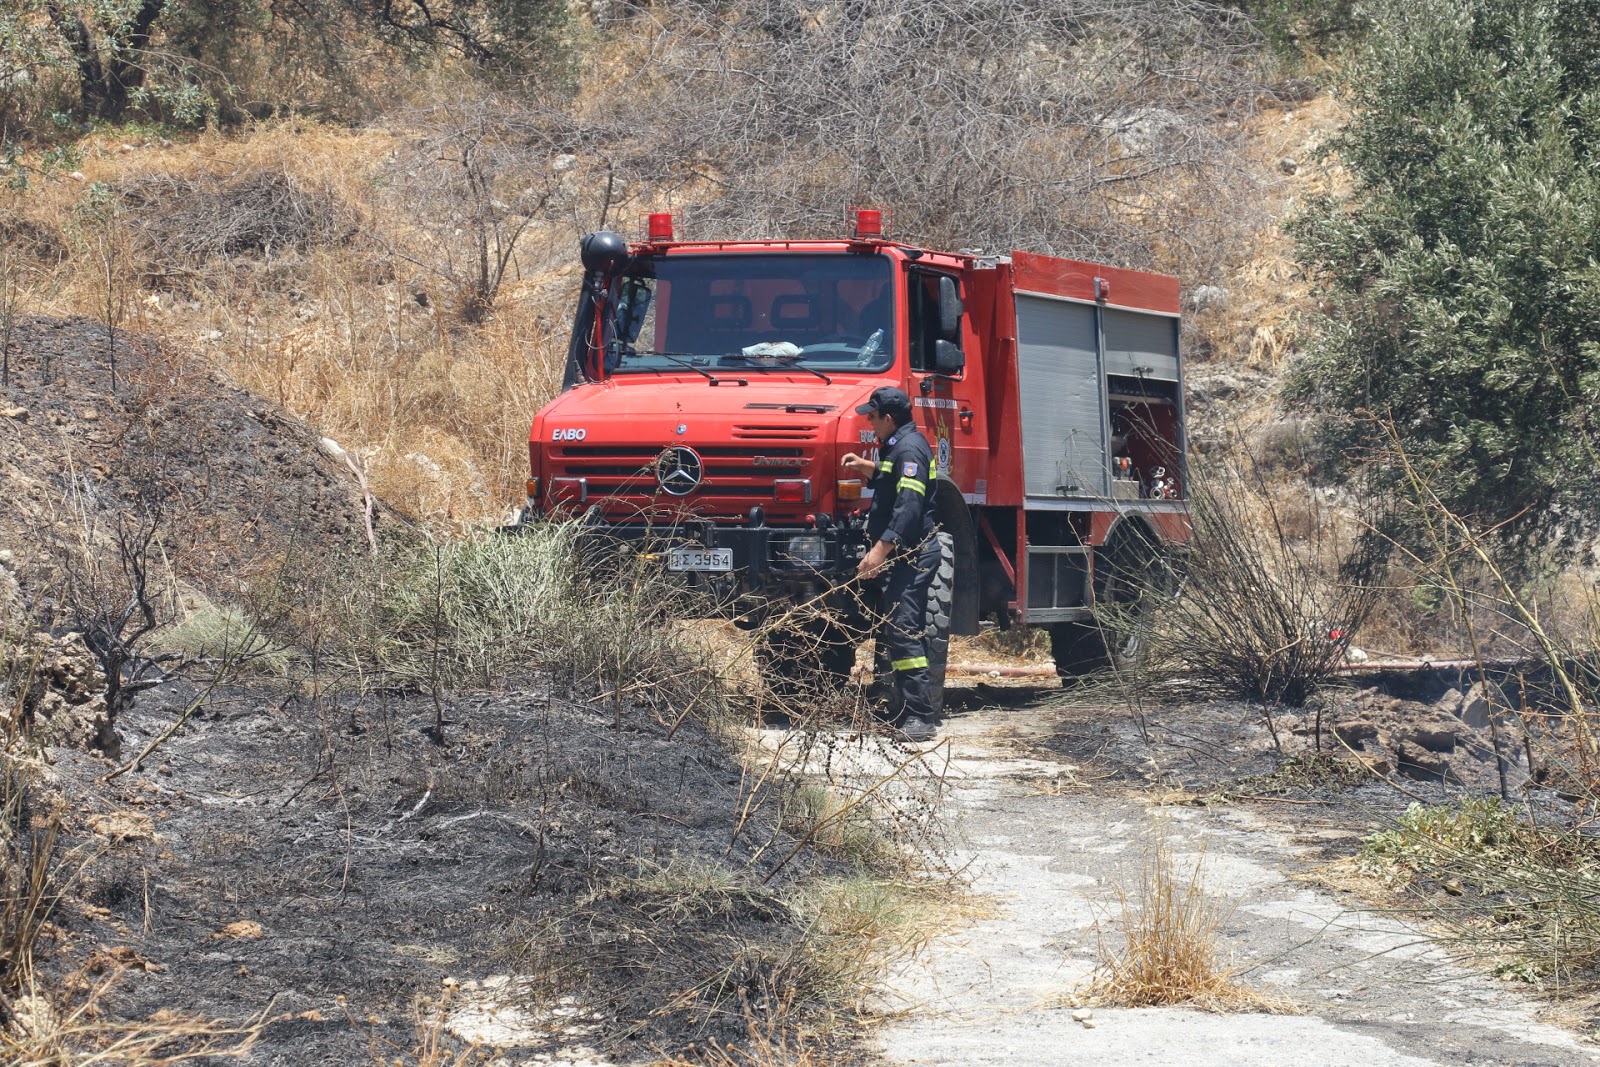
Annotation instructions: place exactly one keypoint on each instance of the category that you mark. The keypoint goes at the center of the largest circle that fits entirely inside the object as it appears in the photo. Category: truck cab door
(941, 388)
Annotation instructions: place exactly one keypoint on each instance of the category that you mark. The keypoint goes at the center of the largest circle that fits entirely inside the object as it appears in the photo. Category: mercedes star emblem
(679, 470)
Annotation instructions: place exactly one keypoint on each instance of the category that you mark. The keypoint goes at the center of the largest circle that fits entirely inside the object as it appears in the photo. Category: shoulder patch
(908, 469)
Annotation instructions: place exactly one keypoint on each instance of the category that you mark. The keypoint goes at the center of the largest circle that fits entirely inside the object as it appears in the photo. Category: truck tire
(1078, 649)
(808, 659)
(941, 595)
(1131, 573)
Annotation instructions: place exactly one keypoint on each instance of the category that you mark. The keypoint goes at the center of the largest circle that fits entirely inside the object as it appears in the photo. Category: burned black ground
(237, 480)
(325, 866)
(301, 850)
(1285, 765)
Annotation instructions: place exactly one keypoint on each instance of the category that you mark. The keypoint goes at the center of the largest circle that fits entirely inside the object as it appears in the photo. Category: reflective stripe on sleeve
(885, 466)
(909, 664)
(912, 483)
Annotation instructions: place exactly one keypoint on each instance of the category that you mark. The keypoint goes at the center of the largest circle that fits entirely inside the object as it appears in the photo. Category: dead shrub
(1081, 127)
(1271, 588)
(114, 579)
(183, 222)
(475, 177)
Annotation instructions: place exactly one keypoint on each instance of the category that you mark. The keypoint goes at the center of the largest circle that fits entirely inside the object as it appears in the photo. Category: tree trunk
(109, 57)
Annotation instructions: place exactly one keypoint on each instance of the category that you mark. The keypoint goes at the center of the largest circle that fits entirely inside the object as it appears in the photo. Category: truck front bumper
(762, 554)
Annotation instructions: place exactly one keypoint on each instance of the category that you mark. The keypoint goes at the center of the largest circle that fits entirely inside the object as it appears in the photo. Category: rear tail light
(849, 489)
(569, 490)
(792, 490)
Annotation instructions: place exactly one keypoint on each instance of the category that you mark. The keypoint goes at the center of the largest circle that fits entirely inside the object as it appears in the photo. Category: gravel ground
(1057, 811)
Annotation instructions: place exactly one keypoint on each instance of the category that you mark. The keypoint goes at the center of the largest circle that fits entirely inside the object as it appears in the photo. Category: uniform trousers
(904, 632)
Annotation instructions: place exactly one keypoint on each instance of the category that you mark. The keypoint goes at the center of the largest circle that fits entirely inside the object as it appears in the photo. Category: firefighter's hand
(856, 465)
(873, 561)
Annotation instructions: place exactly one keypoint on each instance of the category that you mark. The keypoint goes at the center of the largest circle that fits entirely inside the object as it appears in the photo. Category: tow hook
(755, 613)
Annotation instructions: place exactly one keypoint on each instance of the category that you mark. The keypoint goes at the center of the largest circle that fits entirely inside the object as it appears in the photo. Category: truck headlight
(808, 549)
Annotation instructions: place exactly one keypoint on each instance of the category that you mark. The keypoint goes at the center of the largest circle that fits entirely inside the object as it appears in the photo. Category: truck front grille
(622, 477)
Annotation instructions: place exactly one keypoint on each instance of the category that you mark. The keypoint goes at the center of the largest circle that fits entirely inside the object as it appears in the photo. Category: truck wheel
(1131, 573)
(1134, 574)
(1078, 648)
(807, 659)
(940, 596)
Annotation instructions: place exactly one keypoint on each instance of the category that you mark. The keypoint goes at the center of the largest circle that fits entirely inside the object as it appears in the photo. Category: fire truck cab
(711, 391)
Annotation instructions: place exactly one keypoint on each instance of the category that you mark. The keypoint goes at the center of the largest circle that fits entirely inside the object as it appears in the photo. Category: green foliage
(1463, 275)
(1520, 895)
(1428, 838)
(223, 634)
(442, 615)
(190, 62)
(1306, 27)
(465, 611)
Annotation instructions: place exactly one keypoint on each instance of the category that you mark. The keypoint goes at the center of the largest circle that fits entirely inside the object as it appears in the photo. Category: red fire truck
(711, 391)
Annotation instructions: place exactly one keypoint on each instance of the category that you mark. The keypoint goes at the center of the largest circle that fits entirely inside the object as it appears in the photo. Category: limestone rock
(65, 698)
(1435, 734)
(1356, 733)
(1480, 701)
(1418, 763)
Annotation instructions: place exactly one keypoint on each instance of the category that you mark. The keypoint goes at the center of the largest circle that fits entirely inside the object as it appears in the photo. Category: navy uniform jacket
(901, 490)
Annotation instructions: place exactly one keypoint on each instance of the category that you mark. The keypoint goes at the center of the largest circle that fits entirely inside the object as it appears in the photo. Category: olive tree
(1460, 274)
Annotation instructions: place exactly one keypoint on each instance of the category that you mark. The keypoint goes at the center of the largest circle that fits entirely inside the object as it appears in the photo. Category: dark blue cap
(887, 400)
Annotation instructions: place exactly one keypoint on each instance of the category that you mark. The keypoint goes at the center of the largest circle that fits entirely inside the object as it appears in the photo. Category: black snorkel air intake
(601, 252)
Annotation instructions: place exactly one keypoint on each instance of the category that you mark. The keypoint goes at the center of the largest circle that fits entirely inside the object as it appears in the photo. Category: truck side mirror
(950, 309)
(948, 357)
(631, 309)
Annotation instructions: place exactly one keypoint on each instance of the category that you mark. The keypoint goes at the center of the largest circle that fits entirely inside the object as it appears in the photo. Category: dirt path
(1050, 852)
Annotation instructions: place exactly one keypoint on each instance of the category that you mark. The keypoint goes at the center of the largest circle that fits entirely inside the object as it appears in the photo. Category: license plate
(700, 559)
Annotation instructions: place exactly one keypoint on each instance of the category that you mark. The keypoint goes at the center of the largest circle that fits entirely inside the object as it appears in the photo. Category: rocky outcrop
(63, 693)
(1451, 740)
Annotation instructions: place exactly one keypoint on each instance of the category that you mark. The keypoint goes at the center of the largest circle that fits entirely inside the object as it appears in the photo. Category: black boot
(915, 728)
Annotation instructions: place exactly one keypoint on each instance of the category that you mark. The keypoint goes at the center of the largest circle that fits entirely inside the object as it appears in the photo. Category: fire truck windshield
(751, 312)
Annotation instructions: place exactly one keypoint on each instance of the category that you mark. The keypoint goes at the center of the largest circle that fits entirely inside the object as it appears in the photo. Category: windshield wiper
(787, 363)
(677, 357)
(811, 370)
(707, 375)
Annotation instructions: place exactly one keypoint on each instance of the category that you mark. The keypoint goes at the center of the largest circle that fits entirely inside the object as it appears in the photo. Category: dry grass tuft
(1172, 955)
(433, 1046)
(28, 889)
(44, 1033)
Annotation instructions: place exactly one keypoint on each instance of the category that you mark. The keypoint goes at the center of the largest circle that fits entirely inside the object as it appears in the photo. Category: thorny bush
(1266, 601)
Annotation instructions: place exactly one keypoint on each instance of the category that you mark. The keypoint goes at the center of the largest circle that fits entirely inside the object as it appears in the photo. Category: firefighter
(900, 532)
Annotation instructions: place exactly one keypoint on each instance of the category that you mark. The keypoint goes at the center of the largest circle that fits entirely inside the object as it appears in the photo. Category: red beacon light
(660, 226)
(869, 223)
